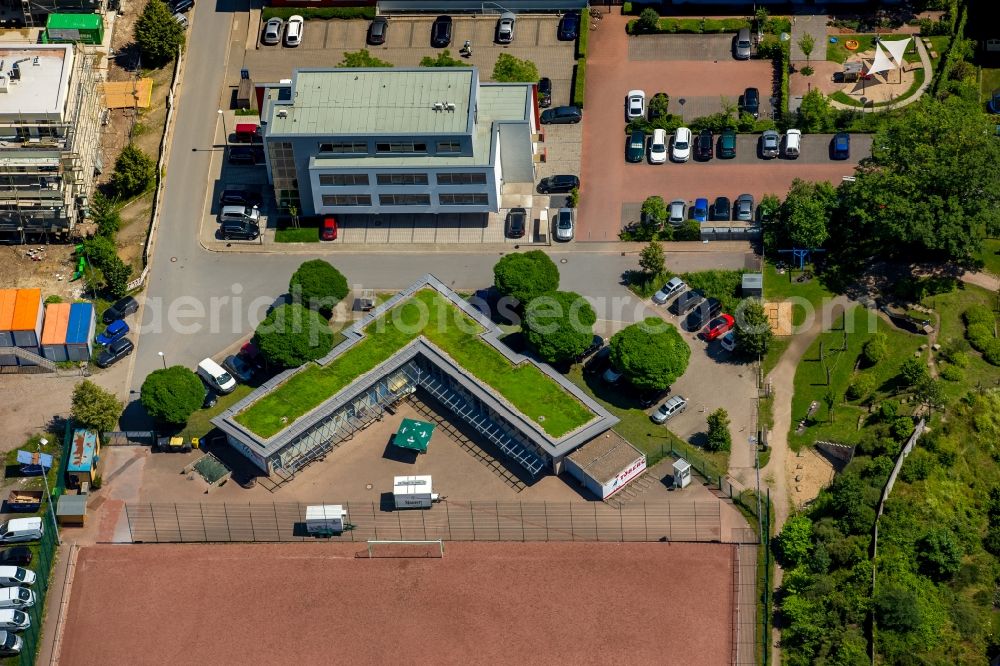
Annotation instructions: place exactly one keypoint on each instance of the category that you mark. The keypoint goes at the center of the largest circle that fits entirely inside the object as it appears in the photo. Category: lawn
(990, 255)
(300, 235)
(990, 81)
(950, 308)
(839, 53)
(723, 285)
(939, 45)
(200, 422)
(918, 80)
(429, 314)
(783, 287)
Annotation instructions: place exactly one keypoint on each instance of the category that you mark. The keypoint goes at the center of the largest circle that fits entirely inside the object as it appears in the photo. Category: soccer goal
(396, 548)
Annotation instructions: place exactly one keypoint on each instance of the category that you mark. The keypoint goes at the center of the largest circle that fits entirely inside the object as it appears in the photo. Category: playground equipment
(81, 264)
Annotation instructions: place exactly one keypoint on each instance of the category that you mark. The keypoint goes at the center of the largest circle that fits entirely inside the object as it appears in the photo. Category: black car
(245, 155)
(595, 345)
(649, 398)
(721, 210)
(686, 301)
(750, 102)
(558, 184)
(115, 352)
(239, 230)
(569, 27)
(211, 397)
(377, 30)
(702, 314)
(181, 6)
(704, 145)
(517, 220)
(235, 197)
(441, 32)
(545, 92)
(840, 146)
(562, 115)
(18, 556)
(635, 146)
(120, 310)
(599, 362)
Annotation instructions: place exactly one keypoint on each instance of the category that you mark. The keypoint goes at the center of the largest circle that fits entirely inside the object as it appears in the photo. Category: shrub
(991, 354)
(579, 82)
(861, 387)
(53, 299)
(952, 373)
(719, 438)
(689, 231)
(913, 371)
(443, 59)
(626, 8)
(99, 251)
(172, 395)
(902, 427)
(116, 277)
(509, 69)
(318, 285)
(980, 336)
(654, 211)
(939, 554)
(362, 58)
(979, 314)
(583, 39)
(807, 70)
(769, 47)
(648, 21)
(573, 198)
(876, 349)
(134, 172)
(319, 12)
(917, 466)
(291, 334)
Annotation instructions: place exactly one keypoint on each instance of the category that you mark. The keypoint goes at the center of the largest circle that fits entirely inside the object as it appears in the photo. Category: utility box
(682, 473)
(325, 519)
(413, 492)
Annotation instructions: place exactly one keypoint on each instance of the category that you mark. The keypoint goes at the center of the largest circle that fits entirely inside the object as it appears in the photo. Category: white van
(16, 576)
(16, 597)
(216, 376)
(10, 645)
(793, 140)
(21, 529)
(14, 620)
(658, 147)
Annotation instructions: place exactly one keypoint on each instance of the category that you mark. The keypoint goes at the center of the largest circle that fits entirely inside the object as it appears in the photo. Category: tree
(560, 325)
(689, 231)
(830, 400)
(318, 285)
(877, 348)
(861, 387)
(525, 275)
(719, 438)
(815, 113)
(753, 329)
(930, 392)
(172, 395)
(443, 59)
(651, 354)
(939, 554)
(649, 20)
(654, 211)
(134, 170)
(794, 543)
(913, 371)
(291, 334)
(804, 214)
(898, 608)
(105, 213)
(116, 277)
(652, 260)
(362, 58)
(95, 408)
(99, 251)
(157, 34)
(659, 106)
(807, 42)
(509, 69)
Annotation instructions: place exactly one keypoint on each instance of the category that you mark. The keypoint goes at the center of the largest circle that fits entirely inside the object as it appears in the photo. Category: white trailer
(413, 492)
(325, 519)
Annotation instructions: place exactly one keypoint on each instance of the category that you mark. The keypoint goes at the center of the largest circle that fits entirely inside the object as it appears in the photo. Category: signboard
(249, 453)
(624, 476)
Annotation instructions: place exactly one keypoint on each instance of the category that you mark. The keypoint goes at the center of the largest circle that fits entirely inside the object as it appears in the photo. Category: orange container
(56, 323)
(7, 299)
(26, 310)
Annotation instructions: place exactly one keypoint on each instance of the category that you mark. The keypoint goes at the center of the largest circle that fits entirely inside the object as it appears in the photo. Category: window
(345, 147)
(341, 179)
(404, 199)
(401, 178)
(461, 178)
(401, 147)
(347, 200)
(469, 199)
(449, 146)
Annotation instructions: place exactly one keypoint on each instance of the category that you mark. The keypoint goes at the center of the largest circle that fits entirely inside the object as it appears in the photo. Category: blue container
(80, 332)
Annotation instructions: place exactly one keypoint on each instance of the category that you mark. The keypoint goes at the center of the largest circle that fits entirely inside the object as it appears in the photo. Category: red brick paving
(481, 604)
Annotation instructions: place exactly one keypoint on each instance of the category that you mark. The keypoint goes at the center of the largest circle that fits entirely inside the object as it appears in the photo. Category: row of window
(466, 199)
(355, 179)
(388, 147)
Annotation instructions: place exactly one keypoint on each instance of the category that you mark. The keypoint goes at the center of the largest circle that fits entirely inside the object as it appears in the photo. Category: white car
(673, 287)
(658, 147)
(635, 105)
(16, 576)
(293, 30)
(729, 341)
(564, 224)
(272, 31)
(505, 28)
(14, 620)
(682, 145)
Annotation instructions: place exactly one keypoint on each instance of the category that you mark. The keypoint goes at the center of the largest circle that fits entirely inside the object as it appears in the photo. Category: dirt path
(984, 280)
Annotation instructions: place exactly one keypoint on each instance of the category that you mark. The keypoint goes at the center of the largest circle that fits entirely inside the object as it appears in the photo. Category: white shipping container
(413, 492)
(325, 518)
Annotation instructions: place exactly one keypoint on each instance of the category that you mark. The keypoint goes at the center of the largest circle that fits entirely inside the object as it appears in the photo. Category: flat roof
(339, 102)
(605, 456)
(44, 78)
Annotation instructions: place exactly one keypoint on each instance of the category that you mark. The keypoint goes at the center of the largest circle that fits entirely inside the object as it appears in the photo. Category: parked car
(721, 210)
(116, 330)
(704, 145)
(596, 344)
(840, 146)
(743, 209)
(441, 32)
(658, 147)
(686, 302)
(677, 212)
(704, 313)
(181, 19)
(516, 222)
(769, 142)
(215, 376)
(18, 555)
(558, 184)
(328, 230)
(12, 576)
(741, 44)
(238, 197)
(727, 144)
(10, 644)
(544, 92)
(793, 141)
(238, 368)
(599, 362)
(635, 105)
(635, 146)
(564, 224)
(120, 310)
(728, 341)
(272, 31)
(612, 375)
(647, 399)
(669, 409)
(993, 106)
(239, 214)
(699, 211)
(682, 145)
(377, 30)
(16, 597)
(293, 30)
(750, 102)
(115, 352)
(239, 230)
(211, 397)
(14, 620)
(569, 27)
(181, 6)
(505, 28)
(673, 287)
(245, 155)
(562, 115)
(658, 105)
(719, 326)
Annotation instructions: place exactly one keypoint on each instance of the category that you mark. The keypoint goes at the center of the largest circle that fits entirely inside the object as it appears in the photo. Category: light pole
(225, 132)
(163, 357)
(45, 479)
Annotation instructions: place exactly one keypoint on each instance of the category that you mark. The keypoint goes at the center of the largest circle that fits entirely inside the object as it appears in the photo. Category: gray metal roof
(604, 457)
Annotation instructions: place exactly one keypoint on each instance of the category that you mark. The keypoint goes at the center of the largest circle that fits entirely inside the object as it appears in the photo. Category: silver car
(743, 208)
(741, 44)
(272, 31)
(564, 224)
(677, 212)
(669, 409)
(673, 287)
(505, 28)
(769, 144)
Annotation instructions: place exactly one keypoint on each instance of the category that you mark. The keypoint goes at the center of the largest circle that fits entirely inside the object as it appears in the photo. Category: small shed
(84, 455)
(852, 71)
(80, 332)
(72, 28)
(71, 510)
(682, 473)
(26, 324)
(54, 332)
(753, 285)
(606, 464)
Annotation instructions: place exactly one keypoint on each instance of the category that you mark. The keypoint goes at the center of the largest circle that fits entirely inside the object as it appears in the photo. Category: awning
(413, 434)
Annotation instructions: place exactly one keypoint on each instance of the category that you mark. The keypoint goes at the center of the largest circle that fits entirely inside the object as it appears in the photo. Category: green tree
(939, 554)
(648, 20)
(362, 58)
(116, 277)
(292, 334)
(659, 106)
(654, 211)
(651, 354)
(442, 59)
(913, 371)
(525, 275)
(134, 170)
(95, 408)
(99, 251)
(689, 231)
(794, 543)
(172, 395)
(861, 387)
(157, 34)
(318, 285)
(719, 438)
(652, 260)
(753, 329)
(804, 214)
(560, 325)
(509, 69)
(807, 42)
(877, 348)
(930, 392)
(816, 114)
(897, 608)
(106, 214)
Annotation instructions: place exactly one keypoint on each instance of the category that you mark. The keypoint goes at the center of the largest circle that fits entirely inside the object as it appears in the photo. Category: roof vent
(438, 106)
(450, 106)
(282, 113)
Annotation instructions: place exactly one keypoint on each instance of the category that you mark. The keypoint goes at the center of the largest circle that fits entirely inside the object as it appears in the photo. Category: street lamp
(225, 132)
(45, 479)
(163, 357)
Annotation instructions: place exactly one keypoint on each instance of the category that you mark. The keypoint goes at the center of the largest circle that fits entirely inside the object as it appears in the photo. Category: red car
(719, 326)
(328, 231)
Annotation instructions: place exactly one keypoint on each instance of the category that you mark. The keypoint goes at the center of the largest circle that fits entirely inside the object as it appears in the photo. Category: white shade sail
(896, 49)
(882, 62)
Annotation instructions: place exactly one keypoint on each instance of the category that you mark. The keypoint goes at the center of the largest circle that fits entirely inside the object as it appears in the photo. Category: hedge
(579, 82)
(583, 38)
(948, 59)
(784, 61)
(318, 12)
(692, 26)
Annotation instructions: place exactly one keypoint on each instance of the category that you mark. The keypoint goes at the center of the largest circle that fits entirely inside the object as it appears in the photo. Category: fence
(448, 520)
(129, 438)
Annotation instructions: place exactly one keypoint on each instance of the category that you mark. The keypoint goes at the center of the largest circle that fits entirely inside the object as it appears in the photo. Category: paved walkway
(984, 280)
(815, 25)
